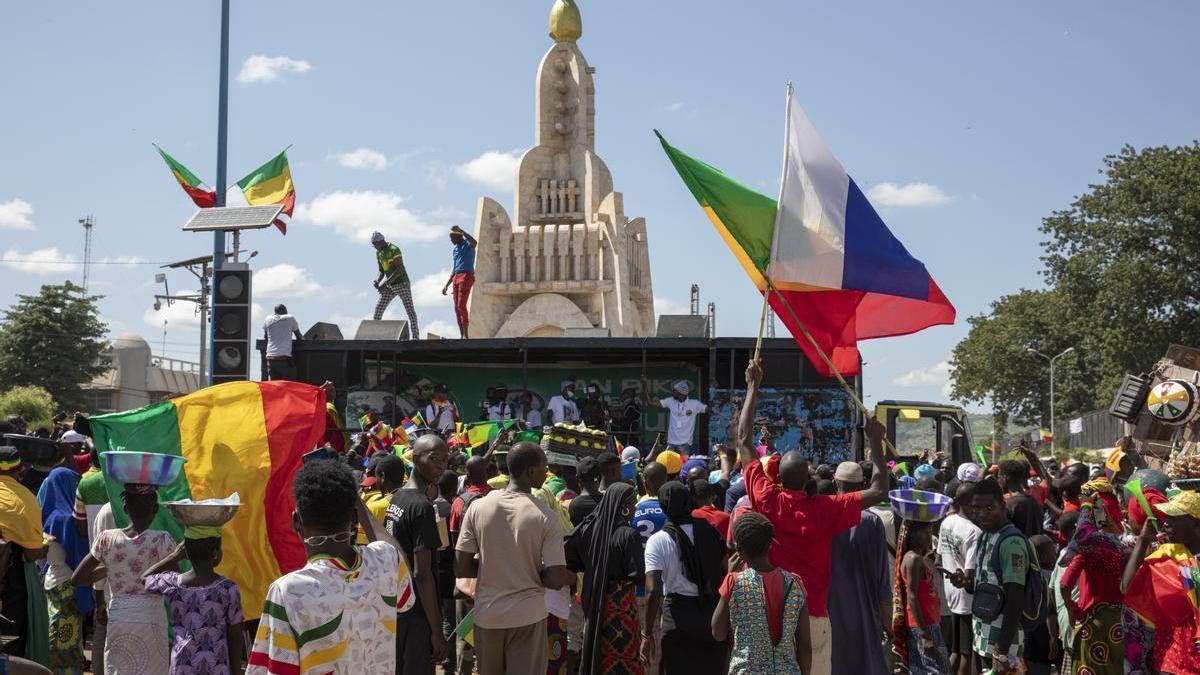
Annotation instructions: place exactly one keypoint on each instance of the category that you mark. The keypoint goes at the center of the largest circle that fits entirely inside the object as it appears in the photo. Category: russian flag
(837, 268)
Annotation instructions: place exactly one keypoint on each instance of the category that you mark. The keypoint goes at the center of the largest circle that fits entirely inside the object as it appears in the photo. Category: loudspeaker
(382, 330)
(324, 331)
(682, 326)
(231, 323)
(1130, 398)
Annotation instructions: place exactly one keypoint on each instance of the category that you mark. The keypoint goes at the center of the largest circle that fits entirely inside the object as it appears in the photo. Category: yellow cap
(1185, 503)
(671, 460)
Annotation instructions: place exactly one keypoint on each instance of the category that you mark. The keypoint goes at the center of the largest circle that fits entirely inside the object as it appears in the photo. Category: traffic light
(231, 323)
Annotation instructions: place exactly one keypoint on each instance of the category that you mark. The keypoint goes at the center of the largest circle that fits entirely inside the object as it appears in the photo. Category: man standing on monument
(463, 275)
(393, 281)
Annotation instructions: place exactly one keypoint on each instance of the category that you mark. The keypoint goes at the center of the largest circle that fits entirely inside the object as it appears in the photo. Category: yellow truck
(916, 426)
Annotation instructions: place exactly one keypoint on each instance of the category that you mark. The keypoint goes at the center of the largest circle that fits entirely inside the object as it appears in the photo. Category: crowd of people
(747, 561)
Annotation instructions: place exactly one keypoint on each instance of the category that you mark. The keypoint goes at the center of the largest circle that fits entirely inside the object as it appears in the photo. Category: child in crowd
(136, 643)
(755, 589)
(337, 614)
(926, 646)
(206, 608)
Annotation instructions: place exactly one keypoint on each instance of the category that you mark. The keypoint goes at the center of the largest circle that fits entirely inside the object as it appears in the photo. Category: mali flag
(189, 182)
(271, 183)
(244, 437)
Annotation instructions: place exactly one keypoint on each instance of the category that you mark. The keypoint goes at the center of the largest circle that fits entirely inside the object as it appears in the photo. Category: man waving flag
(822, 254)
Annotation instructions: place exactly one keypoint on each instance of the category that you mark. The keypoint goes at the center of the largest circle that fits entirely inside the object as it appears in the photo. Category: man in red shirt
(702, 495)
(805, 526)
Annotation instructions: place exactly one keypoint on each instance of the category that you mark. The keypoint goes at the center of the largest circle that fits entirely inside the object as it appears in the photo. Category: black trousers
(687, 644)
(414, 643)
(281, 369)
(13, 605)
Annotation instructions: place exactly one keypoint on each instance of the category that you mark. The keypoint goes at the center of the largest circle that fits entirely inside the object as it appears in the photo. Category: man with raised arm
(804, 525)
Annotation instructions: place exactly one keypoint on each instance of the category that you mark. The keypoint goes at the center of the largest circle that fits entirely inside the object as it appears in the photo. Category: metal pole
(1051, 405)
(222, 138)
(204, 321)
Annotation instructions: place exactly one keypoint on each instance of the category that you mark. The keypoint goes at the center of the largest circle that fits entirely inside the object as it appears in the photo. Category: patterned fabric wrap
(620, 632)
(900, 600)
(66, 630)
(556, 645)
(1139, 644)
(753, 653)
(1190, 571)
(931, 662)
(1099, 643)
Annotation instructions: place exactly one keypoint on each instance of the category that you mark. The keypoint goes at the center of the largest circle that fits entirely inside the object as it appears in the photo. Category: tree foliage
(34, 404)
(54, 340)
(1122, 268)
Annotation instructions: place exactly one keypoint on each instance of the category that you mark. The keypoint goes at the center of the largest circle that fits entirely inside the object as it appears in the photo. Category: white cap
(376, 236)
(73, 436)
(682, 387)
(630, 454)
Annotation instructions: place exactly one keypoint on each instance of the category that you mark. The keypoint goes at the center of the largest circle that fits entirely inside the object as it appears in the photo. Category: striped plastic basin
(920, 505)
(150, 468)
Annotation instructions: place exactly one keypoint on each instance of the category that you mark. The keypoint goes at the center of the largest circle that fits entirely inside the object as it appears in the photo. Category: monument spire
(566, 24)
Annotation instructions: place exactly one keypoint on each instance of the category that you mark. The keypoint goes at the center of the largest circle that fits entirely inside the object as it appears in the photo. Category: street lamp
(1051, 360)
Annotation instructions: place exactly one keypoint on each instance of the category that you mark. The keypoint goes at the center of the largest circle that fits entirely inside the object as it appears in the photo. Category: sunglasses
(339, 538)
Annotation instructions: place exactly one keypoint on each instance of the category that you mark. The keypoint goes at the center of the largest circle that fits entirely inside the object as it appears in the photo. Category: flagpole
(762, 322)
(821, 352)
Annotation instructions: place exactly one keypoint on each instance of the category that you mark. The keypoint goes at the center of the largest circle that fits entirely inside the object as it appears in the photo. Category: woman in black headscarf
(609, 553)
(693, 558)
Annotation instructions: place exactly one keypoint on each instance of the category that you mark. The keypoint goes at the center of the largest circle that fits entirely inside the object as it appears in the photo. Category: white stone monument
(570, 263)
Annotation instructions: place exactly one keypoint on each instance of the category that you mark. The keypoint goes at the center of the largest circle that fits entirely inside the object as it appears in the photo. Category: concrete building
(570, 263)
(137, 378)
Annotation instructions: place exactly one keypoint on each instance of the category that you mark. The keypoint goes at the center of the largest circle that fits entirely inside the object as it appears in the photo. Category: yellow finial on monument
(566, 24)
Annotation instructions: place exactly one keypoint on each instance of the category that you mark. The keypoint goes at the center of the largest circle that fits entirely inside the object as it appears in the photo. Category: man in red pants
(463, 276)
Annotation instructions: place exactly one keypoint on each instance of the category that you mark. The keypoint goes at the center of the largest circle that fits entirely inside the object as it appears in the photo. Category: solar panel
(233, 218)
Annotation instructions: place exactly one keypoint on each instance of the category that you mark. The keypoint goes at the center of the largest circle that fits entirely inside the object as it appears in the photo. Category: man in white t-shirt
(683, 411)
(441, 413)
(529, 413)
(562, 408)
(958, 539)
(279, 329)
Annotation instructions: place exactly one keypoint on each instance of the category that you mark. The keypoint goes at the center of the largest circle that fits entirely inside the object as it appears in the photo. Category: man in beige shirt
(513, 546)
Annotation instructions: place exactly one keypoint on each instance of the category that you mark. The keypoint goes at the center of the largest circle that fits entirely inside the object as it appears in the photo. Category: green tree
(1122, 266)
(54, 340)
(34, 404)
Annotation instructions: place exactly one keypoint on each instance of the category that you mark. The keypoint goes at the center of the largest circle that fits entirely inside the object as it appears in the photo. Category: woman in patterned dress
(608, 551)
(67, 547)
(766, 606)
(1093, 563)
(137, 642)
(206, 608)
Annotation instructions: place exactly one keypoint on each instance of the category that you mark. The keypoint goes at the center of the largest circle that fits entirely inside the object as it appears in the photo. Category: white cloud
(284, 281)
(356, 214)
(937, 374)
(427, 291)
(678, 105)
(177, 315)
(440, 328)
(14, 215)
(493, 168)
(259, 68)
(909, 194)
(42, 261)
(364, 159)
(669, 306)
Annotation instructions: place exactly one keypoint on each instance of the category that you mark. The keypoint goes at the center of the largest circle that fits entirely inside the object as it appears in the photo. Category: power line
(34, 261)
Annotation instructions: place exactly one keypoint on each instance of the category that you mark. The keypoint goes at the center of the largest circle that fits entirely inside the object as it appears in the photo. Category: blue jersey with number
(648, 517)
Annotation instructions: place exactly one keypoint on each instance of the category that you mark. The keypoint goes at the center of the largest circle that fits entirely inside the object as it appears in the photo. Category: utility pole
(712, 319)
(218, 258)
(88, 223)
(1051, 360)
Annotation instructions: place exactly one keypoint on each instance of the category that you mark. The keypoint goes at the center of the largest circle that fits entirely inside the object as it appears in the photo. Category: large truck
(396, 377)
(914, 427)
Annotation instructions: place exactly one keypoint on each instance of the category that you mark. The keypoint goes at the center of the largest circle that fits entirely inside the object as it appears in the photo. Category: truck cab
(915, 426)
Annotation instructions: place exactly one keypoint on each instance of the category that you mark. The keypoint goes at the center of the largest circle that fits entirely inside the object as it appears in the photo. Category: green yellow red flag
(192, 185)
(271, 183)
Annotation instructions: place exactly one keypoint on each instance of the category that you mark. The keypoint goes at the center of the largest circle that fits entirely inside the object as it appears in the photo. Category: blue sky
(967, 121)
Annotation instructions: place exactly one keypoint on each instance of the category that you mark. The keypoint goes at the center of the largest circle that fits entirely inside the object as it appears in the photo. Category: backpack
(988, 600)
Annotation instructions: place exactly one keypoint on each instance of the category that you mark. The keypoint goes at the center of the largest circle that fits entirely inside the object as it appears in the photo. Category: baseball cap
(671, 460)
(1185, 503)
(849, 472)
(630, 454)
(692, 463)
(376, 236)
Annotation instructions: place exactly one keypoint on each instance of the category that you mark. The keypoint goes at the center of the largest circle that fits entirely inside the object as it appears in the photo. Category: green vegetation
(34, 404)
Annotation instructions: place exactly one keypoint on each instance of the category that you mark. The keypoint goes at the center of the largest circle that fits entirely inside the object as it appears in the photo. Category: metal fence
(1096, 430)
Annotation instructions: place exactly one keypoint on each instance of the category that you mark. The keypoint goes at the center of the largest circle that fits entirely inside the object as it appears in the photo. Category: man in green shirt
(393, 281)
(1000, 642)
